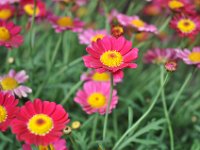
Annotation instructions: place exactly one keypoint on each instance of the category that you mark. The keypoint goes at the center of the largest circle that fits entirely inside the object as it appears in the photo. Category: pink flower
(9, 35)
(186, 26)
(58, 145)
(40, 122)
(94, 97)
(99, 77)
(2, 2)
(190, 57)
(133, 21)
(8, 110)
(61, 24)
(111, 54)
(12, 83)
(28, 7)
(159, 56)
(90, 35)
(6, 11)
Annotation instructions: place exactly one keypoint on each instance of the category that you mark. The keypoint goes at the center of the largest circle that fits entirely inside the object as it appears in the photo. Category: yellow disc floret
(29, 9)
(48, 147)
(138, 23)
(96, 100)
(4, 34)
(96, 37)
(194, 57)
(5, 14)
(65, 22)
(186, 25)
(40, 124)
(3, 114)
(105, 76)
(175, 4)
(9, 83)
(111, 58)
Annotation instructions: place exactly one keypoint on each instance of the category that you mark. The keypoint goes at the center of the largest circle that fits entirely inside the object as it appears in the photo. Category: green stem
(107, 25)
(50, 67)
(166, 111)
(180, 92)
(108, 107)
(94, 127)
(72, 90)
(134, 126)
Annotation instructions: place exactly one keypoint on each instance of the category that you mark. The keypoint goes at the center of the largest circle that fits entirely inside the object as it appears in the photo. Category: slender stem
(50, 67)
(72, 90)
(108, 107)
(180, 92)
(94, 127)
(134, 126)
(107, 25)
(32, 36)
(166, 111)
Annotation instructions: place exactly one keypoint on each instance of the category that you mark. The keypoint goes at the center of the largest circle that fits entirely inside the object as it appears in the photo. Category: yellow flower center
(65, 22)
(111, 58)
(40, 124)
(96, 37)
(3, 114)
(50, 147)
(4, 34)
(96, 100)
(29, 9)
(5, 14)
(101, 76)
(9, 83)
(186, 25)
(138, 23)
(195, 57)
(175, 4)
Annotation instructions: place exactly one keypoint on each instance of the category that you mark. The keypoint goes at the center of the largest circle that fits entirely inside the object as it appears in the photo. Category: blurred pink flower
(58, 145)
(132, 21)
(190, 57)
(186, 26)
(12, 83)
(10, 35)
(63, 23)
(159, 56)
(2, 2)
(99, 77)
(94, 97)
(90, 35)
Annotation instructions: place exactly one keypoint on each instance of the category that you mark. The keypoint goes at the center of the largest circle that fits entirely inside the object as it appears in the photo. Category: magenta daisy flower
(8, 110)
(6, 11)
(28, 8)
(9, 35)
(12, 83)
(61, 24)
(94, 97)
(159, 56)
(186, 26)
(99, 77)
(58, 145)
(190, 57)
(40, 122)
(90, 35)
(111, 54)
